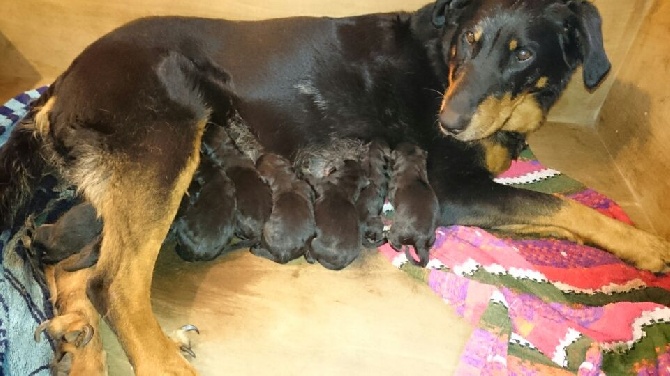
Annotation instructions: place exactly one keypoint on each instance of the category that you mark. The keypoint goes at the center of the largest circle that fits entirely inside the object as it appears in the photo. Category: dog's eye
(523, 54)
(470, 37)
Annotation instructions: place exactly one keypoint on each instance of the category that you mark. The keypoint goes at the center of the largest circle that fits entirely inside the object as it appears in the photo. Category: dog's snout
(453, 121)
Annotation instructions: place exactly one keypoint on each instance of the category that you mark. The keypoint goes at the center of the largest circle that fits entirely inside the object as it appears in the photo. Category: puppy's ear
(444, 10)
(595, 63)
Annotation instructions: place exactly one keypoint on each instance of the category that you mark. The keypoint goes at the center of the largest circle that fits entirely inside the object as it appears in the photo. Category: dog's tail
(21, 164)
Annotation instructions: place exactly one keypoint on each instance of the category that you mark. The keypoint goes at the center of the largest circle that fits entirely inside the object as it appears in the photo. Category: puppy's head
(509, 60)
(408, 156)
(350, 178)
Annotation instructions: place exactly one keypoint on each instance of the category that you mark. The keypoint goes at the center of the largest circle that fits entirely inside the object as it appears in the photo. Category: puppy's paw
(422, 255)
(373, 235)
(181, 338)
(73, 328)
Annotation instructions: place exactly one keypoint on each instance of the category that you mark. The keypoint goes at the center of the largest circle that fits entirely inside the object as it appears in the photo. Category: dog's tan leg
(75, 326)
(542, 231)
(642, 249)
(578, 222)
(137, 210)
(477, 201)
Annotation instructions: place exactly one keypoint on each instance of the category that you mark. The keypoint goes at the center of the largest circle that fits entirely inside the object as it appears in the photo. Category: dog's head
(509, 60)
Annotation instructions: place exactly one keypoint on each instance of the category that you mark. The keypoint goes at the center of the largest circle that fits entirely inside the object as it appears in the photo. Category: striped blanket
(549, 307)
(540, 307)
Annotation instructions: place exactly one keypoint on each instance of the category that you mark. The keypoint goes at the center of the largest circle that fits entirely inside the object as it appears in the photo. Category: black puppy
(370, 202)
(414, 201)
(205, 224)
(78, 231)
(338, 228)
(291, 224)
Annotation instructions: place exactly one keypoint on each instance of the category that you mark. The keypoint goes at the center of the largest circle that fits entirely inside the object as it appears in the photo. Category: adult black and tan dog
(124, 123)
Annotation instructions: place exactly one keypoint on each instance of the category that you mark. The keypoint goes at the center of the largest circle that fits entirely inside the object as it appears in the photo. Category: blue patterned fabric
(24, 296)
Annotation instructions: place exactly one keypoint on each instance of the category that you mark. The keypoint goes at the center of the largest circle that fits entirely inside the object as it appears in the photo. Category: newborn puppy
(414, 201)
(77, 232)
(338, 228)
(375, 165)
(291, 223)
(205, 223)
(253, 197)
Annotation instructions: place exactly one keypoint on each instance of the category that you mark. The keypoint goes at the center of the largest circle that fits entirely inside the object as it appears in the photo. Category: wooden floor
(260, 318)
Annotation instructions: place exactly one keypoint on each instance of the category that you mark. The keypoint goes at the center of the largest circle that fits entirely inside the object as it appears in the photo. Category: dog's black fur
(370, 202)
(291, 224)
(415, 205)
(124, 123)
(338, 229)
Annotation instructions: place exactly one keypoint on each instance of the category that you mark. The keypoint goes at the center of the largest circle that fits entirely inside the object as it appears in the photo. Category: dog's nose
(452, 121)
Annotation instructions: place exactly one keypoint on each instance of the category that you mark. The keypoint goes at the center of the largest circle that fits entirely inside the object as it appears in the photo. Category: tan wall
(43, 36)
(621, 20)
(635, 119)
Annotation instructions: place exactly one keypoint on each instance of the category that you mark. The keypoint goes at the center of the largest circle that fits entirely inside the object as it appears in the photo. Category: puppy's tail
(21, 163)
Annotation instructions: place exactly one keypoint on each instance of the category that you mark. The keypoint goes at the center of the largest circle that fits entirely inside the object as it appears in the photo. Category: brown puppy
(253, 196)
(414, 201)
(338, 228)
(291, 223)
(371, 200)
(78, 231)
(205, 224)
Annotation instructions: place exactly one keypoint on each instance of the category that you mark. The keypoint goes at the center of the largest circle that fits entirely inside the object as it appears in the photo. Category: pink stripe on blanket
(547, 325)
(521, 167)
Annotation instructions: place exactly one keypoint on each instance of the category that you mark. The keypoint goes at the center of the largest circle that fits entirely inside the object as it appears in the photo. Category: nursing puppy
(370, 202)
(414, 201)
(206, 222)
(338, 227)
(78, 231)
(291, 223)
(252, 195)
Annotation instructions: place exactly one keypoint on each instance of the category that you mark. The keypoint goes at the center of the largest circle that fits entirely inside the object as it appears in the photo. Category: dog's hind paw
(72, 328)
(653, 254)
(62, 365)
(181, 338)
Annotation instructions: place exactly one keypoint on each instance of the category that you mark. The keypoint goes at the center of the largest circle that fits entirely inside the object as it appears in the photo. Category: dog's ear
(447, 9)
(595, 63)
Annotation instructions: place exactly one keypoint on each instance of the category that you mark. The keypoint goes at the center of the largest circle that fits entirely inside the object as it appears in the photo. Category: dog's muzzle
(452, 121)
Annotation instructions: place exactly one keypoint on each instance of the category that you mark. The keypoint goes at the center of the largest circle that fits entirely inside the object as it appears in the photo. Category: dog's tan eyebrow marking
(542, 82)
(513, 44)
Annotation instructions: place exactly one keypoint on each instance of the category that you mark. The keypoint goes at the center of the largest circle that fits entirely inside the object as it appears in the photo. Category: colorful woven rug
(548, 307)
(540, 307)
